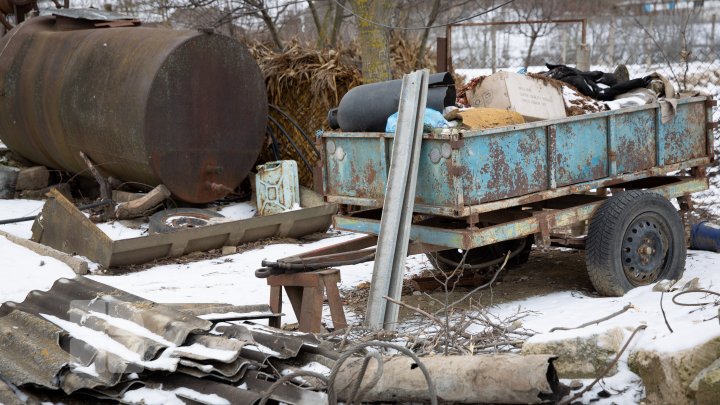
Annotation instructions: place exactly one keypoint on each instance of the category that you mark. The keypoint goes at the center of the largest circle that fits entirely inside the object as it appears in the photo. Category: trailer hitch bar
(295, 264)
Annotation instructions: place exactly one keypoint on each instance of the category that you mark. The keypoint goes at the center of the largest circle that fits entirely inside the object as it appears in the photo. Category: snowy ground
(692, 326)
(230, 279)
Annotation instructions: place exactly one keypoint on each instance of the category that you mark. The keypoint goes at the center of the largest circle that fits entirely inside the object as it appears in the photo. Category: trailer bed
(469, 173)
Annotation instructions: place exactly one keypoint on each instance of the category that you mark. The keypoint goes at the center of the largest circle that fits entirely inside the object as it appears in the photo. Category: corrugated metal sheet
(85, 338)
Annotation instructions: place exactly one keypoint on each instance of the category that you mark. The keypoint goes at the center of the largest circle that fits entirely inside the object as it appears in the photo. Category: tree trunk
(271, 27)
(337, 21)
(322, 40)
(533, 38)
(426, 32)
(373, 39)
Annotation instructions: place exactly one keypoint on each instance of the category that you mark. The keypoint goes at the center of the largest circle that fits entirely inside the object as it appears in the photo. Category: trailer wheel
(483, 257)
(635, 238)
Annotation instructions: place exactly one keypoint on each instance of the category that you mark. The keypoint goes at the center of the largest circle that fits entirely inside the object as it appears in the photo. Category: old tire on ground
(175, 219)
(477, 258)
(634, 239)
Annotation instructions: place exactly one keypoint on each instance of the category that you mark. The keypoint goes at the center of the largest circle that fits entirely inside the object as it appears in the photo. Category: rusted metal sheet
(496, 379)
(468, 238)
(502, 165)
(149, 105)
(581, 151)
(438, 180)
(482, 171)
(51, 341)
(361, 161)
(634, 141)
(62, 226)
(684, 137)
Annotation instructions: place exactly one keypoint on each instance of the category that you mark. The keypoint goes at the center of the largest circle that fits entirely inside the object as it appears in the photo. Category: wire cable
(394, 27)
(694, 304)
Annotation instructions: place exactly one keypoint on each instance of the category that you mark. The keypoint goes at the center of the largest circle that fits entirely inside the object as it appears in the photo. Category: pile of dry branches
(459, 327)
(326, 74)
(306, 83)
(404, 55)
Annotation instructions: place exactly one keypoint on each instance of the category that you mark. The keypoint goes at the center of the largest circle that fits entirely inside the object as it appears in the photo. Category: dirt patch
(545, 273)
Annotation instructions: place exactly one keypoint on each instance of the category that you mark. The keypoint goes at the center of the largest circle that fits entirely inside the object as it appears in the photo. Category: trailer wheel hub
(644, 249)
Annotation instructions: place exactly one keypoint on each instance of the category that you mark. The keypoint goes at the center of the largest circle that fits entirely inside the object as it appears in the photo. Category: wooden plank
(275, 305)
(337, 313)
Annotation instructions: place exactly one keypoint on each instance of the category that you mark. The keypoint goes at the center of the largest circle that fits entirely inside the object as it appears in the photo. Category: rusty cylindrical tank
(150, 105)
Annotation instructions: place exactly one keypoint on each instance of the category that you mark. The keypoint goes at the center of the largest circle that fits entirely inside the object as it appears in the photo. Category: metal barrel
(705, 236)
(149, 105)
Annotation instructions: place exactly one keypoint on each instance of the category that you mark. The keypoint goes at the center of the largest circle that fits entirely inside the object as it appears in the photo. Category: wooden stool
(305, 291)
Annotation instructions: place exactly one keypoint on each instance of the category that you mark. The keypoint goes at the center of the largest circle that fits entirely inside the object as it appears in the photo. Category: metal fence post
(399, 199)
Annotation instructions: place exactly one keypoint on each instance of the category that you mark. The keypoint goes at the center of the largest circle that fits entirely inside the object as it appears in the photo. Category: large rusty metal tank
(183, 108)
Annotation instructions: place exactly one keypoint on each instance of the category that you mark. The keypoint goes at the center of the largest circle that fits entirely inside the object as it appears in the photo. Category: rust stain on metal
(457, 144)
(456, 171)
(370, 173)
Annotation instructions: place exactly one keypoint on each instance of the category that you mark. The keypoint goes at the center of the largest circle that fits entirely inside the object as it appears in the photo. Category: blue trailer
(480, 192)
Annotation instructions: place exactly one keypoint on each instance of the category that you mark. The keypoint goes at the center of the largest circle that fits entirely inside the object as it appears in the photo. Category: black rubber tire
(175, 219)
(448, 260)
(635, 238)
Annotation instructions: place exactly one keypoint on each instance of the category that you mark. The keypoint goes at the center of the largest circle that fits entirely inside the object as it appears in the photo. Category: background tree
(535, 10)
(373, 38)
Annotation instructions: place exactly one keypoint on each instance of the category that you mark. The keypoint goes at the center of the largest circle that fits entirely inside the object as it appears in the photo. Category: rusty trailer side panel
(481, 171)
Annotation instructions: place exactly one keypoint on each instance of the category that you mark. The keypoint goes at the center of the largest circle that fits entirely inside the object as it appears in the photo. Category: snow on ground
(570, 308)
(691, 325)
(10, 209)
(24, 270)
(230, 279)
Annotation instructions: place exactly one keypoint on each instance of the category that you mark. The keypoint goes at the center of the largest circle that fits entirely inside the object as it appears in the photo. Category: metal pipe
(500, 378)
(366, 108)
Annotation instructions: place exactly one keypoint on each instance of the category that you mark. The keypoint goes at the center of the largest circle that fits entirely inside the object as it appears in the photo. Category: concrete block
(677, 377)
(33, 178)
(229, 250)
(8, 179)
(532, 98)
(580, 357)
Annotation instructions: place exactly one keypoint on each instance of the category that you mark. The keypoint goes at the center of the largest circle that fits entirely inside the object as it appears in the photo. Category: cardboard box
(532, 98)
